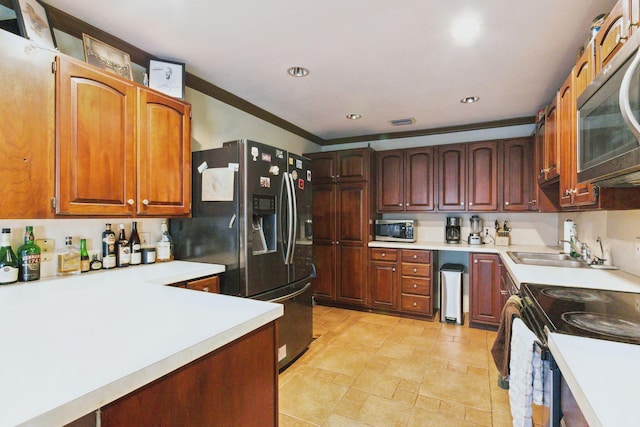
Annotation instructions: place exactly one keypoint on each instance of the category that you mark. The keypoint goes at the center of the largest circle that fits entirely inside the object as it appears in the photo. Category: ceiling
(383, 60)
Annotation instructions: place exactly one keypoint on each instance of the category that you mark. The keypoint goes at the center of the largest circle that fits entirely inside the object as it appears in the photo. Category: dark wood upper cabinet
(405, 180)
(452, 177)
(517, 175)
(390, 195)
(482, 184)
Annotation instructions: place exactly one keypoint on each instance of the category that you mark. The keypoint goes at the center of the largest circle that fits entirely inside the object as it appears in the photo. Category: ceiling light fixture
(354, 116)
(298, 71)
(470, 99)
(466, 28)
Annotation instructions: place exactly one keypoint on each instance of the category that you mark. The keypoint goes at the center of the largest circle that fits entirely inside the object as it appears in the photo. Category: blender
(475, 238)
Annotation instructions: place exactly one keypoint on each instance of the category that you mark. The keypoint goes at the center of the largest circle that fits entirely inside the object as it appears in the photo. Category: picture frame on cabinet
(167, 77)
(33, 22)
(106, 57)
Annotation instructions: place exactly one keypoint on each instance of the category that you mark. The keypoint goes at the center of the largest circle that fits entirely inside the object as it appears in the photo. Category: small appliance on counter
(475, 238)
(395, 230)
(452, 229)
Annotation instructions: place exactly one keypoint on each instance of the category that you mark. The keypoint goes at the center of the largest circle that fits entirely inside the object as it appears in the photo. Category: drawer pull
(205, 289)
(415, 304)
(415, 285)
(393, 269)
(415, 270)
(415, 257)
(384, 254)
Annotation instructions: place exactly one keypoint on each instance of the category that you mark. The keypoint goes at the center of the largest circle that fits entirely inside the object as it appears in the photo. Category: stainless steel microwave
(608, 127)
(392, 230)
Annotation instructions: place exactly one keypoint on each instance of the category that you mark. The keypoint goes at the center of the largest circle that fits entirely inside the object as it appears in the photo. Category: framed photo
(106, 57)
(167, 77)
(33, 22)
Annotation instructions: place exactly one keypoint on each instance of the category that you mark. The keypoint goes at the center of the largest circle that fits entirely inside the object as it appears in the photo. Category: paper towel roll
(568, 232)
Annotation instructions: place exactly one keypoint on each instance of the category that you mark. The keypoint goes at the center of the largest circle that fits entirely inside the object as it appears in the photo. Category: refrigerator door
(262, 171)
(300, 174)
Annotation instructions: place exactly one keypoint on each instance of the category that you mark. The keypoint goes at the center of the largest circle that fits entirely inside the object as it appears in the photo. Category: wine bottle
(8, 260)
(68, 258)
(164, 244)
(85, 262)
(135, 245)
(29, 257)
(123, 252)
(108, 248)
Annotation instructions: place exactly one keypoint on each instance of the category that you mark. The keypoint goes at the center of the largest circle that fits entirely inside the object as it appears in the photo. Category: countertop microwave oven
(395, 230)
(608, 122)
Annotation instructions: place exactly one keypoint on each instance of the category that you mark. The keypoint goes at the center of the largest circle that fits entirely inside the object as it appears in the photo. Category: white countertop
(602, 375)
(71, 345)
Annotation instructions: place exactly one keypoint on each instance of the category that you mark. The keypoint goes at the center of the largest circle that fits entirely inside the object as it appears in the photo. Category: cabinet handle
(384, 254)
(205, 289)
(415, 257)
(415, 304)
(400, 204)
(506, 203)
(503, 292)
(393, 269)
(415, 285)
(337, 242)
(462, 204)
(407, 204)
(415, 270)
(130, 202)
(533, 202)
(475, 261)
(470, 203)
(145, 202)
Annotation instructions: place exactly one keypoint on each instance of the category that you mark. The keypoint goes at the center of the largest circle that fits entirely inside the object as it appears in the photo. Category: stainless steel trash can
(451, 293)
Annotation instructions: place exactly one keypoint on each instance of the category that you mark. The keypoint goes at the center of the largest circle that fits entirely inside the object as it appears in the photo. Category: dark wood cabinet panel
(384, 285)
(482, 185)
(324, 258)
(549, 171)
(353, 208)
(324, 213)
(484, 290)
(352, 273)
(354, 165)
(452, 178)
(324, 167)
(390, 181)
(612, 35)
(517, 175)
(207, 284)
(418, 182)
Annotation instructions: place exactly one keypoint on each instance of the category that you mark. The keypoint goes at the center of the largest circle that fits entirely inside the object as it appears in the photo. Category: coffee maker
(452, 229)
(475, 238)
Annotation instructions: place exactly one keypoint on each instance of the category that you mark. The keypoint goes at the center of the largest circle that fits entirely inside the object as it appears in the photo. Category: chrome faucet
(572, 244)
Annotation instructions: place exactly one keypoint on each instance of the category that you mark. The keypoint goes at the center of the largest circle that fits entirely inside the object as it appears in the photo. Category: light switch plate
(47, 248)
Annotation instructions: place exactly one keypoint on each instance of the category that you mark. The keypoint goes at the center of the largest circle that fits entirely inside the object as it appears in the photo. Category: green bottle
(29, 256)
(8, 260)
(85, 262)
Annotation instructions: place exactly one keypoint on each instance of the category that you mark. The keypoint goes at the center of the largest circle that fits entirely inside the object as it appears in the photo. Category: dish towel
(501, 348)
(521, 373)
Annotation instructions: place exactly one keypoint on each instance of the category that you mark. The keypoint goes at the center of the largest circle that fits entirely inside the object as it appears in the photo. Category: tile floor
(368, 369)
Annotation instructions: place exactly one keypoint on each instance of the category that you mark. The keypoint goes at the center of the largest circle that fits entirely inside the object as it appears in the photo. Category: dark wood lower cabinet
(485, 299)
(236, 385)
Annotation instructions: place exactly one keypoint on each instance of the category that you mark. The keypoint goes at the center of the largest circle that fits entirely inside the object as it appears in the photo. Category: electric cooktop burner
(578, 295)
(605, 324)
(593, 313)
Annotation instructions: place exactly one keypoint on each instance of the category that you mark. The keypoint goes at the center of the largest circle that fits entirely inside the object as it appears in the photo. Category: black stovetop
(593, 313)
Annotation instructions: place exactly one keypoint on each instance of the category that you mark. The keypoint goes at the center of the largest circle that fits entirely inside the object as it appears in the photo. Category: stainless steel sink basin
(547, 259)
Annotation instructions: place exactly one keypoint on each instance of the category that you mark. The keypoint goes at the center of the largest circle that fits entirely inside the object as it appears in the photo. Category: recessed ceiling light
(470, 99)
(465, 29)
(298, 71)
(353, 116)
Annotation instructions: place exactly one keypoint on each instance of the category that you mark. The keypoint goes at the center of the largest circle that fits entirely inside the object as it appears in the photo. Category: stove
(592, 313)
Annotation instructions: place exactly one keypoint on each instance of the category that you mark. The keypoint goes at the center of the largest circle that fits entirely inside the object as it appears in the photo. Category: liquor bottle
(135, 245)
(85, 262)
(29, 256)
(123, 252)
(96, 264)
(164, 244)
(8, 260)
(108, 248)
(68, 258)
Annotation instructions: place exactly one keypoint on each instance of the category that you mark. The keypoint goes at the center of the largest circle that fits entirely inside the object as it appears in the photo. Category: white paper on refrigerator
(217, 185)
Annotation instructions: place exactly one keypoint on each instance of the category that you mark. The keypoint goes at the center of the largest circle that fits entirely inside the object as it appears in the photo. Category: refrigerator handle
(294, 212)
(281, 218)
(290, 215)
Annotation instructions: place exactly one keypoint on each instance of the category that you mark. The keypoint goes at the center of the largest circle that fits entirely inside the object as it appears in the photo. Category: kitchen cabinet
(584, 69)
(27, 136)
(482, 181)
(343, 204)
(485, 299)
(405, 180)
(452, 177)
(517, 175)
(416, 283)
(613, 33)
(507, 284)
(203, 284)
(384, 278)
(234, 385)
(548, 173)
(121, 149)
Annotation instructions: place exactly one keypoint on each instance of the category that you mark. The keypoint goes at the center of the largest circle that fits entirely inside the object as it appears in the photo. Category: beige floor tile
(453, 409)
(287, 421)
(421, 417)
(478, 416)
(408, 370)
(457, 387)
(363, 335)
(336, 420)
(348, 409)
(376, 383)
(427, 402)
(465, 353)
(309, 400)
(395, 350)
(342, 360)
(381, 412)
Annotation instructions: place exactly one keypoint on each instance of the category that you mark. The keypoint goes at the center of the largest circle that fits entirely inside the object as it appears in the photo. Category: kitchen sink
(547, 259)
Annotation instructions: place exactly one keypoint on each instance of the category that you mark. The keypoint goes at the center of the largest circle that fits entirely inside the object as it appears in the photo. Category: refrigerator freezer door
(300, 173)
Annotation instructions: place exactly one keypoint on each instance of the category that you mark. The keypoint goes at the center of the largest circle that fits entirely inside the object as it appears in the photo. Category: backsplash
(618, 230)
(90, 229)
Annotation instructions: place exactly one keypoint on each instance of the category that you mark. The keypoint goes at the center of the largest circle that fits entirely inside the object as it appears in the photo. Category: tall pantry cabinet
(343, 209)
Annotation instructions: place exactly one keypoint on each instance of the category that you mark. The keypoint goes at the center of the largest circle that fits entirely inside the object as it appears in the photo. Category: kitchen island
(73, 345)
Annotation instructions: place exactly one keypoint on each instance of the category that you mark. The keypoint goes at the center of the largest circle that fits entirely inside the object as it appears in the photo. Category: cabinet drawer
(417, 286)
(416, 303)
(409, 255)
(378, 254)
(420, 270)
(208, 284)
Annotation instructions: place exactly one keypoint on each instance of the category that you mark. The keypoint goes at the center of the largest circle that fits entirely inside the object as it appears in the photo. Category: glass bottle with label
(135, 245)
(85, 262)
(108, 248)
(68, 258)
(123, 252)
(96, 264)
(8, 260)
(164, 244)
(29, 256)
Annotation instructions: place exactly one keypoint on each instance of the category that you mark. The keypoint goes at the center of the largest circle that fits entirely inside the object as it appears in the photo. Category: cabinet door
(208, 284)
(384, 285)
(164, 153)
(484, 289)
(352, 273)
(324, 240)
(352, 211)
(418, 182)
(452, 178)
(390, 181)
(27, 136)
(517, 175)
(612, 35)
(584, 72)
(353, 165)
(324, 167)
(95, 147)
(567, 140)
(324, 258)
(550, 143)
(482, 185)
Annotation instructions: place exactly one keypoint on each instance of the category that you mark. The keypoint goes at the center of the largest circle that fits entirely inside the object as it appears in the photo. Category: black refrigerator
(251, 211)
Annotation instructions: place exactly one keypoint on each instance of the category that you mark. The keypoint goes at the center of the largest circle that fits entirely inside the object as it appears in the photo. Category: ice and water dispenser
(263, 224)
